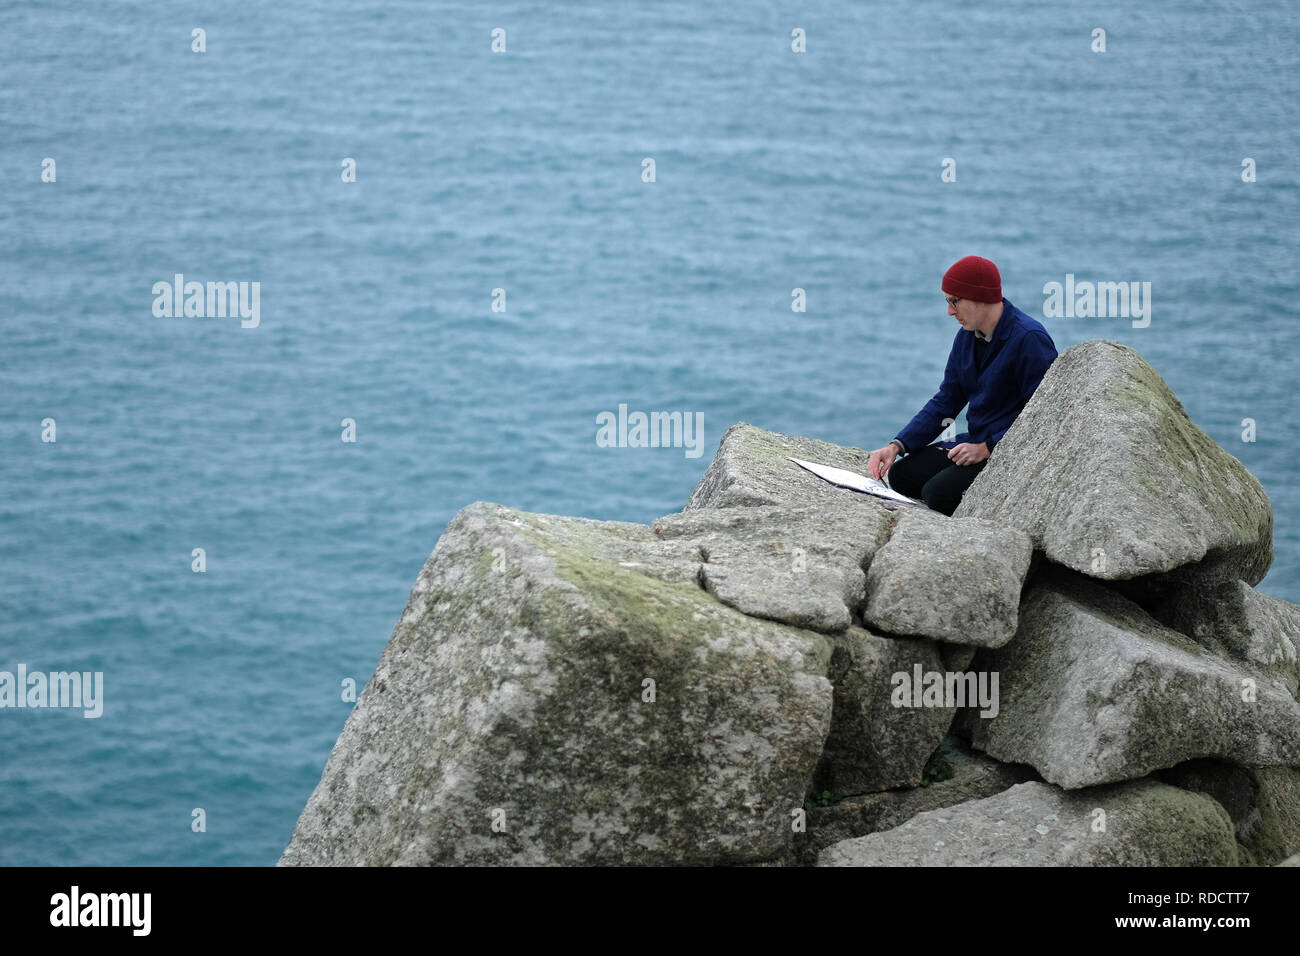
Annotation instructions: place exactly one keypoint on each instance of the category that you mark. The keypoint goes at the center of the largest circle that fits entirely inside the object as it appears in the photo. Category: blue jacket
(1016, 359)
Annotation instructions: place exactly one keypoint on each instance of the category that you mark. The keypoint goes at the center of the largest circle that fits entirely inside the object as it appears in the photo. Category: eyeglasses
(952, 299)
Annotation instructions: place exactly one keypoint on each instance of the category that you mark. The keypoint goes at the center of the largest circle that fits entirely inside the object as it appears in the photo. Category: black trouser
(930, 475)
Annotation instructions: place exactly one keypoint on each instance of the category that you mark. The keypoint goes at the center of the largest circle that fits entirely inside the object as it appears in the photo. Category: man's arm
(938, 411)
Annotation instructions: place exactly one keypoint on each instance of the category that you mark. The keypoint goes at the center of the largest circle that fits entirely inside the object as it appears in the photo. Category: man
(997, 360)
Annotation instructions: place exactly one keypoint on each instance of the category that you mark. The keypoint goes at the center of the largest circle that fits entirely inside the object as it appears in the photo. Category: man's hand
(968, 454)
(881, 459)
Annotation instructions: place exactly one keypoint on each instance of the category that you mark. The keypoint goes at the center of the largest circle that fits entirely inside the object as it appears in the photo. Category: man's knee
(909, 473)
(904, 479)
(940, 499)
(945, 490)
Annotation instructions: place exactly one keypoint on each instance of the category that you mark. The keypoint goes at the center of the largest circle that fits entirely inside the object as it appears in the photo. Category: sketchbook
(854, 481)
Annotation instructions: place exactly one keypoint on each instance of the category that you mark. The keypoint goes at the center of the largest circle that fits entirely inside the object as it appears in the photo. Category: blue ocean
(474, 228)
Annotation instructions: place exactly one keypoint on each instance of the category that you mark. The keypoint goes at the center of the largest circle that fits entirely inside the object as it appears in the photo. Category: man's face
(962, 309)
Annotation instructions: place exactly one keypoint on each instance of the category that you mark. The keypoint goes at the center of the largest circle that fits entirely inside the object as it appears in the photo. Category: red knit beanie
(973, 278)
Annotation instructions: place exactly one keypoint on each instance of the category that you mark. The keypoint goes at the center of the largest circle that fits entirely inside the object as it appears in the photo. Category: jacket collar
(1003, 328)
